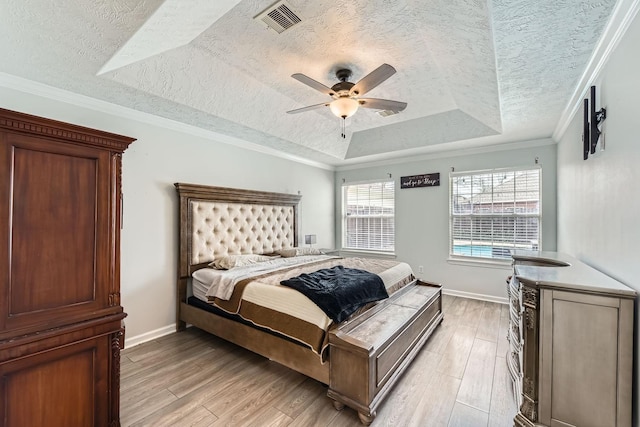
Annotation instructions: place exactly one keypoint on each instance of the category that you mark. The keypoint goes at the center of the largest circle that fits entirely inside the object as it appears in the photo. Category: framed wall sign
(426, 180)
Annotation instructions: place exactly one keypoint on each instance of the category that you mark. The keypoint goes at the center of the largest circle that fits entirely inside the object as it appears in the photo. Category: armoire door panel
(60, 388)
(52, 240)
(59, 259)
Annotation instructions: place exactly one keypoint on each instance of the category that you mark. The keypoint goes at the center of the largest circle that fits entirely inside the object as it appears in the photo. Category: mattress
(263, 302)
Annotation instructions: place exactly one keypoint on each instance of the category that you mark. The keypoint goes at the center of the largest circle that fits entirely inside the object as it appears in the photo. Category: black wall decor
(591, 125)
(415, 181)
(586, 141)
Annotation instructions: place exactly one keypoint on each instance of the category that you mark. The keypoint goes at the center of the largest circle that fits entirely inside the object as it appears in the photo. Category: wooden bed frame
(287, 353)
(366, 368)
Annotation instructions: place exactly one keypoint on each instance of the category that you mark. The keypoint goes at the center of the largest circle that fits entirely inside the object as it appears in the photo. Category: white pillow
(288, 253)
(229, 261)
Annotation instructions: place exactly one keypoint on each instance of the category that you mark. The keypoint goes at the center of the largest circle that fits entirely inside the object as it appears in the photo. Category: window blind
(369, 216)
(493, 212)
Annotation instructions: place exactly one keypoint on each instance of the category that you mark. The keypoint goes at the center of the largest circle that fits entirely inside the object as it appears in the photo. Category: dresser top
(560, 271)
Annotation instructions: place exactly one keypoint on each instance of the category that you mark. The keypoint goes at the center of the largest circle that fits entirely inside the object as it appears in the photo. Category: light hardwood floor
(192, 378)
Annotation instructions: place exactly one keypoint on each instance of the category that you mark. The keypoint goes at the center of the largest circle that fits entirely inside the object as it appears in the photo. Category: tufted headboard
(224, 221)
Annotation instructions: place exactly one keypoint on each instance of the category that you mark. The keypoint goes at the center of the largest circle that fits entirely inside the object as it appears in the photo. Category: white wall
(151, 165)
(598, 199)
(422, 214)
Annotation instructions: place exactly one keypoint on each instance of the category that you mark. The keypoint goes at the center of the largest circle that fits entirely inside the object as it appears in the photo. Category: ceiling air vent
(387, 113)
(279, 16)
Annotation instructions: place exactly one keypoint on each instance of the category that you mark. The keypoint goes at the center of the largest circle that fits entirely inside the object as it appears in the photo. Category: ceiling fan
(346, 95)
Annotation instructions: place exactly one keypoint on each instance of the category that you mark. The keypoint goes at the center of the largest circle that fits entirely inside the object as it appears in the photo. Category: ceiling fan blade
(382, 104)
(313, 83)
(310, 107)
(373, 79)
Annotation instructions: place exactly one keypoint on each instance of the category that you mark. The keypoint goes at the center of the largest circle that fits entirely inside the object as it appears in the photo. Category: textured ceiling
(487, 71)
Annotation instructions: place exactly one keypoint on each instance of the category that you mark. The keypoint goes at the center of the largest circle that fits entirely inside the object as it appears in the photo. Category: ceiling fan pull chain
(344, 120)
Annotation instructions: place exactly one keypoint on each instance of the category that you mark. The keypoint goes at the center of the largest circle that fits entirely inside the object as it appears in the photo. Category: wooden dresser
(571, 343)
(60, 315)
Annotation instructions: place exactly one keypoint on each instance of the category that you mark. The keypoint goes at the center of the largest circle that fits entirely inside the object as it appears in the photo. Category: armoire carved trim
(116, 346)
(25, 123)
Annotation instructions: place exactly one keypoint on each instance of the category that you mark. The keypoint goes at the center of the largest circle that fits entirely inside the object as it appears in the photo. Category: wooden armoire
(61, 322)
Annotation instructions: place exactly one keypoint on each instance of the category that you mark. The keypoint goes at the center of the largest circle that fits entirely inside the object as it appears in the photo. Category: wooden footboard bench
(370, 352)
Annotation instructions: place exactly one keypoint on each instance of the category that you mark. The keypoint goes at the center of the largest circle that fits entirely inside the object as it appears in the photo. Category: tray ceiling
(472, 72)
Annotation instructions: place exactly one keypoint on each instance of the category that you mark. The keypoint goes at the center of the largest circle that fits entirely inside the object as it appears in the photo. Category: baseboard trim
(148, 336)
(481, 297)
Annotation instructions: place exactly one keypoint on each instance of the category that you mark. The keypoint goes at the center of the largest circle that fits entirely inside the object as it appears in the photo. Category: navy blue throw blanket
(339, 291)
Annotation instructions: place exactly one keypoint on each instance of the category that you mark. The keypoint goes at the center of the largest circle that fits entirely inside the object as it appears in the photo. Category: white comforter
(222, 282)
(267, 293)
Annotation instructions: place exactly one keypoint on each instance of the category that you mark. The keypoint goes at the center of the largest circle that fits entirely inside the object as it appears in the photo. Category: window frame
(486, 259)
(345, 217)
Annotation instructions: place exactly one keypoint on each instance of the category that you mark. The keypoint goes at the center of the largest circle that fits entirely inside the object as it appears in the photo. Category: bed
(247, 306)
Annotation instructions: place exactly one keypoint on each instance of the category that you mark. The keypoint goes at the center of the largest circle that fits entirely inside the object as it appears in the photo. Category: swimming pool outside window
(492, 212)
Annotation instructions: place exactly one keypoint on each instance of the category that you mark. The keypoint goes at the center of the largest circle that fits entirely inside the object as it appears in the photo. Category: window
(368, 216)
(492, 212)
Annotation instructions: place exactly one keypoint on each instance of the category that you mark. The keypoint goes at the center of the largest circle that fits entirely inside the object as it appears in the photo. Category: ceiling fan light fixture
(344, 107)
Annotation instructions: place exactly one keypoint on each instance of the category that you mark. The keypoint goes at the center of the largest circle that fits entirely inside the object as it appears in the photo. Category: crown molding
(451, 153)
(621, 18)
(31, 87)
